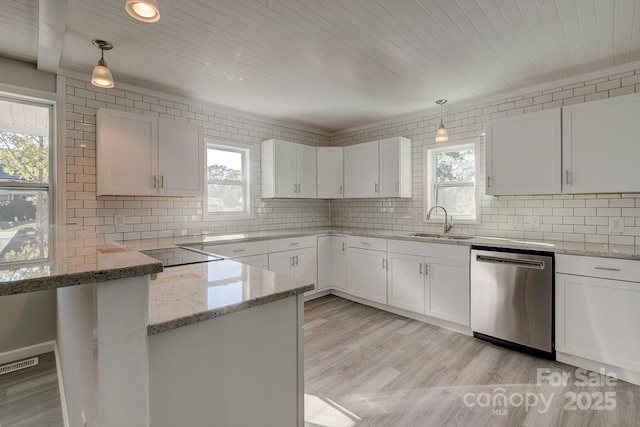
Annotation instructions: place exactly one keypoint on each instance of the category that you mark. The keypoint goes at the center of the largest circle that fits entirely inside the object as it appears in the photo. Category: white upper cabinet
(600, 148)
(180, 159)
(361, 170)
(330, 172)
(395, 167)
(145, 156)
(288, 170)
(524, 154)
(378, 168)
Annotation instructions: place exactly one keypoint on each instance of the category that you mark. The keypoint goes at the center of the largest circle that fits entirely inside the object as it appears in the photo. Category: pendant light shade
(101, 76)
(441, 134)
(143, 10)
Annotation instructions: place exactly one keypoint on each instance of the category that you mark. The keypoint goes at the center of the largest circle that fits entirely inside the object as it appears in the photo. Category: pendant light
(143, 10)
(441, 134)
(101, 76)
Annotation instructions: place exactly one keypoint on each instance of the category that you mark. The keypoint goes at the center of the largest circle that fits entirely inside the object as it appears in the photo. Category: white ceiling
(329, 64)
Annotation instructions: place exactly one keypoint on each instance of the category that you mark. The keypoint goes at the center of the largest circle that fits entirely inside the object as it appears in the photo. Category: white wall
(581, 218)
(23, 74)
(151, 217)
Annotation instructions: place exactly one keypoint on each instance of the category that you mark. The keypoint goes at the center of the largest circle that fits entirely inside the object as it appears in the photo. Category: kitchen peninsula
(197, 340)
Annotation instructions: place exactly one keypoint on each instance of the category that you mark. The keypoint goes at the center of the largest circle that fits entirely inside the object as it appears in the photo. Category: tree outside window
(227, 180)
(451, 180)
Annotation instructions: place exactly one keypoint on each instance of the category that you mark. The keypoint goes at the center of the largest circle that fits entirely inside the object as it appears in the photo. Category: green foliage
(25, 155)
(455, 166)
(221, 172)
(18, 210)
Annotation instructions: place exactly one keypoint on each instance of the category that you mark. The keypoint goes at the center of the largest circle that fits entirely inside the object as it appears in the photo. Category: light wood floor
(367, 367)
(30, 397)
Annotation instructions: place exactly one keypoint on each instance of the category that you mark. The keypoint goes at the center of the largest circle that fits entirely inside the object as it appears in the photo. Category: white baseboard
(416, 316)
(26, 352)
(627, 375)
(63, 399)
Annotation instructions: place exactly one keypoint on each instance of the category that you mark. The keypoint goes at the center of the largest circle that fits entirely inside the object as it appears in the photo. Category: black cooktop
(171, 257)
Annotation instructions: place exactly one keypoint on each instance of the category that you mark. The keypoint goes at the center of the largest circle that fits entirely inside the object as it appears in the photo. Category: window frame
(50, 186)
(430, 151)
(246, 152)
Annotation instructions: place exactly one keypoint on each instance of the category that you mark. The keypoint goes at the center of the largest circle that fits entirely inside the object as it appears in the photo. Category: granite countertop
(55, 257)
(192, 293)
(560, 247)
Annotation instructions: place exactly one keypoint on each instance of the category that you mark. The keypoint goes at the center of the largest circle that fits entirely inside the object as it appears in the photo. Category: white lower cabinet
(367, 268)
(597, 314)
(431, 279)
(332, 262)
(300, 262)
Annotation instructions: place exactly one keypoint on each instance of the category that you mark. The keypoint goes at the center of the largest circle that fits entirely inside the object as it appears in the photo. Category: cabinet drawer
(372, 243)
(242, 249)
(606, 268)
(431, 250)
(279, 245)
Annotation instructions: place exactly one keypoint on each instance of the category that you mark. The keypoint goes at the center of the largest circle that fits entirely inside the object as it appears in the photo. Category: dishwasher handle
(525, 263)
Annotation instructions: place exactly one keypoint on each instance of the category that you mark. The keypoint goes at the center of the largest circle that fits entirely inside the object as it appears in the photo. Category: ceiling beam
(52, 21)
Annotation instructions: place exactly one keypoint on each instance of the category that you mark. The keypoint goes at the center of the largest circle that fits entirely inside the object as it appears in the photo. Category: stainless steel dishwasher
(512, 299)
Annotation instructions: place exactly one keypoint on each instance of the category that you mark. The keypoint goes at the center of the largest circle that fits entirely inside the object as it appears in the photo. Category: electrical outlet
(118, 219)
(616, 225)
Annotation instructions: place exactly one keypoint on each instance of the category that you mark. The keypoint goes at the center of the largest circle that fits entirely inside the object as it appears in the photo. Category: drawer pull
(294, 244)
(238, 250)
(607, 268)
(365, 243)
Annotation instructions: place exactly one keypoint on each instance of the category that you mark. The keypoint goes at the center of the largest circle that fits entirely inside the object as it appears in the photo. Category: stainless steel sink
(441, 236)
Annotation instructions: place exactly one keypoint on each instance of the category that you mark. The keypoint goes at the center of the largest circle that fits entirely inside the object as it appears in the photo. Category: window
(227, 181)
(26, 165)
(451, 181)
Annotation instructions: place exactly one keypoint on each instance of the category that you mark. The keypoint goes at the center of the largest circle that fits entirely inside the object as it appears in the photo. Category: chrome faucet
(447, 226)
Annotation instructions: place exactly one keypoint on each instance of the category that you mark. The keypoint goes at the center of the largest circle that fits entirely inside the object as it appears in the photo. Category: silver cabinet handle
(426, 269)
(340, 189)
(397, 186)
(365, 243)
(155, 181)
(295, 188)
(343, 246)
(383, 263)
(567, 175)
(294, 244)
(293, 261)
(238, 250)
(376, 185)
(298, 188)
(162, 181)
(607, 268)
(296, 259)
(488, 181)
(420, 269)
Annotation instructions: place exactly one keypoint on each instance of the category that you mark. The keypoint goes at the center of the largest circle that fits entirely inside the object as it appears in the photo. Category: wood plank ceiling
(332, 64)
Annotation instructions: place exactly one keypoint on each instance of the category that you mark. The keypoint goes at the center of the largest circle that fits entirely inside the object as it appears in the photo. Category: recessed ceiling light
(143, 10)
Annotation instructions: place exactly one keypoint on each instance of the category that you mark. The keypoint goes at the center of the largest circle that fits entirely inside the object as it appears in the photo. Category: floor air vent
(16, 366)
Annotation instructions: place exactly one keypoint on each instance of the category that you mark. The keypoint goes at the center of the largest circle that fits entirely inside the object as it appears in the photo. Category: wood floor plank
(367, 367)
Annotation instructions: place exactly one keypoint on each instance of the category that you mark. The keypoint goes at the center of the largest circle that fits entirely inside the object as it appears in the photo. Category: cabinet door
(330, 172)
(339, 262)
(282, 262)
(127, 156)
(447, 290)
(524, 154)
(180, 159)
(361, 170)
(325, 261)
(395, 167)
(600, 149)
(306, 267)
(278, 169)
(406, 282)
(367, 274)
(306, 171)
(598, 319)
